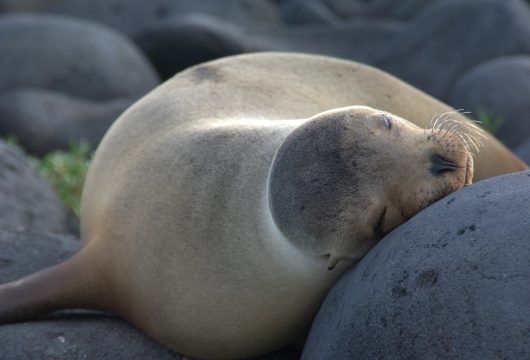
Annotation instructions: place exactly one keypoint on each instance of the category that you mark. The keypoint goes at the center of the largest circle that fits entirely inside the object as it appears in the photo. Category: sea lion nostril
(441, 165)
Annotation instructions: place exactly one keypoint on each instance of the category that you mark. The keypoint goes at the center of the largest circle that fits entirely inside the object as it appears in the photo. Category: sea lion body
(184, 236)
(217, 262)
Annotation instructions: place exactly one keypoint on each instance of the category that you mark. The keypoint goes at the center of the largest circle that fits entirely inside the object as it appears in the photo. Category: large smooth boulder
(399, 10)
(499, 88)
(25, 5)
(26, 199)
(452, 36)
(133, 16)
(179, 42)
(362, 40)
(301, 12)
(451, 283)
(523, 150)
(44, 121)
(25, 252)
(71, 56)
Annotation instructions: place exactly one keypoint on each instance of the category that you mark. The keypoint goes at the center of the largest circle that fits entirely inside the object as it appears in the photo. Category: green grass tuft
(489, 122)
(12, 140)
(66, 171)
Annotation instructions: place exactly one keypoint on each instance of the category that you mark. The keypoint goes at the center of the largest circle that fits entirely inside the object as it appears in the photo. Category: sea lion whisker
(466, 144)
(462, 111)
(441, 120)
(472, 140)
(472, 126)
(462, 129)
(434, 120)
(446, 119)
(478, 131)
(431, 122)
(476, 135)
(461, 136)
(434, 126)
(449, 125)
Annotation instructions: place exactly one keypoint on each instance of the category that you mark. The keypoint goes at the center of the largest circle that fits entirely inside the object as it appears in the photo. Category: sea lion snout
(441, 165)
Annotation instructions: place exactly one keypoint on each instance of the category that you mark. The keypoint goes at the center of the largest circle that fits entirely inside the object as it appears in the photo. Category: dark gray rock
(79, 336)
(74, 334)
(499, 88)
(25, 5)
(44, 121)
(451, 37)
(180, 42)
(364, 41)
(301, 12)
(26, 199)
(523, 150)
(399, 10)
(24, 252)
(451, 283)
(75, 57)
(133, 16)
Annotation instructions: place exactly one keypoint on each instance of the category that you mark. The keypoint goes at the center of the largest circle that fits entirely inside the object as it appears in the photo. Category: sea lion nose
(441, 165)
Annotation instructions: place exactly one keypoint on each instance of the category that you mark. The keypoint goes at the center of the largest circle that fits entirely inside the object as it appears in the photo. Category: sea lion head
(346, 177)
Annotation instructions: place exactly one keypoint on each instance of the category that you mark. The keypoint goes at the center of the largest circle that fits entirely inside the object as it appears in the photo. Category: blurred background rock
(68, 68)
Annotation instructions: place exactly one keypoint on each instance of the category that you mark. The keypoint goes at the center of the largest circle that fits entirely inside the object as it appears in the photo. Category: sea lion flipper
(66, 285)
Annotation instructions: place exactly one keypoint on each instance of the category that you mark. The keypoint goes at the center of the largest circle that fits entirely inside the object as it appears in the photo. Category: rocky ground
(68, 68)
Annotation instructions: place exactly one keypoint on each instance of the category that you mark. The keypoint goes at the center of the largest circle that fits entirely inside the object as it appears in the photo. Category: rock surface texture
(26, 199)
(523, 151)
(103, 66)
(133, 16)
(56, 87)
(451, 283)
(44, 121)
(450, 37)
(402, 10)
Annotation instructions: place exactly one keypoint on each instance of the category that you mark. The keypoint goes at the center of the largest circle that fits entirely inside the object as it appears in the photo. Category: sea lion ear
(333, 261)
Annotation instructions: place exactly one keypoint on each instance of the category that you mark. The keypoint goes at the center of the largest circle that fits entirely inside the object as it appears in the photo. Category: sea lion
(220, 208)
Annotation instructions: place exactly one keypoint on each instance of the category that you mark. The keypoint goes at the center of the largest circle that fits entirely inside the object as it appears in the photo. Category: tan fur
(177, 205)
